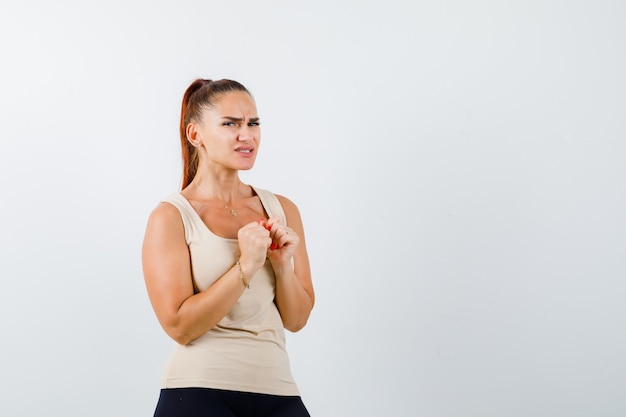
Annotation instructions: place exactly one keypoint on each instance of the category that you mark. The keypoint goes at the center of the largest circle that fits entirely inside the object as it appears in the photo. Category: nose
(246, 133)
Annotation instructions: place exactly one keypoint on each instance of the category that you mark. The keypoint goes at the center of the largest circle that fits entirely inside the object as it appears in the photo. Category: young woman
(226, 269)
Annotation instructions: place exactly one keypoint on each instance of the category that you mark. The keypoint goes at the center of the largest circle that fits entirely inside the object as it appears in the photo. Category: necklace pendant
(233, 213)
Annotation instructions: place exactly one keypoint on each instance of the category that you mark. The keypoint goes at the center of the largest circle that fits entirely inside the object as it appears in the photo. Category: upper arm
(166, 264)
(302, 267)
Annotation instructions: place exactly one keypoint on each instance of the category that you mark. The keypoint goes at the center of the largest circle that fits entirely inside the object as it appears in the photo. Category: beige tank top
(246, 350)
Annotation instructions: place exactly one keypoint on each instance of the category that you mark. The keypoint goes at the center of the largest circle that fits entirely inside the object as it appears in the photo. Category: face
(229, 132)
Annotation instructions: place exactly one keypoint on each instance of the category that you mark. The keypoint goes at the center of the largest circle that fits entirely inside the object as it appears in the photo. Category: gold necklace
(231, 210)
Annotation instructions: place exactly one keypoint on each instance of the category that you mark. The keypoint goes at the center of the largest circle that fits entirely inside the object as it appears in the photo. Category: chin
(246, 167)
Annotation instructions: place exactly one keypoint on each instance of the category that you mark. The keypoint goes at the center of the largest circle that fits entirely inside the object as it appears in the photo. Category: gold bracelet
(242, 276)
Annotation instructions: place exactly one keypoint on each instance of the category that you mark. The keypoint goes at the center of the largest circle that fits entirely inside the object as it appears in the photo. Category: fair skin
(228, 138)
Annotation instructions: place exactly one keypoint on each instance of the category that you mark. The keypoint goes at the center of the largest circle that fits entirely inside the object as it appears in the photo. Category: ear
(192, 134)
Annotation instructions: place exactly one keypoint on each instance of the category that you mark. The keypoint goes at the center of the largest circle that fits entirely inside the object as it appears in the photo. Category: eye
(228, 124)
(254, 124)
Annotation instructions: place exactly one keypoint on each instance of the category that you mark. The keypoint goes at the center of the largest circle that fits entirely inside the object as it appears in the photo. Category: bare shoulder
(164, 210)
(165, 217)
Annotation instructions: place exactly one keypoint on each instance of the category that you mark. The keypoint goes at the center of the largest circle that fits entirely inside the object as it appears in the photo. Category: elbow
(179, 334)
(295, 326)
(296, 322)
(182, 339)
(184, 332)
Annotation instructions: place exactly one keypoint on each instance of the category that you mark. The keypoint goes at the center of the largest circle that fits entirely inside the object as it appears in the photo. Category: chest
(225, 221)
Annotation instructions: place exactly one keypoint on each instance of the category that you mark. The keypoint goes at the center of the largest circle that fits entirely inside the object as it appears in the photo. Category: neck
(226, 190)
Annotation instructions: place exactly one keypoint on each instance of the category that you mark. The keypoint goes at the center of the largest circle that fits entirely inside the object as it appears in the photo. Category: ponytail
(188, 113)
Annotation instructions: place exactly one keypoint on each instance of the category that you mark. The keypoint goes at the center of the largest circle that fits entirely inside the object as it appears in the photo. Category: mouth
(245, 150)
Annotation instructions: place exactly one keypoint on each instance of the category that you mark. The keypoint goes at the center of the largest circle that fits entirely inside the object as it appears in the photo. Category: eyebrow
(239, 119)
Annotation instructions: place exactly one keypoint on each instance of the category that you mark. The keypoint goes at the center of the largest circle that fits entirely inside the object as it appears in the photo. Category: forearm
(203, 311)
(292, 299)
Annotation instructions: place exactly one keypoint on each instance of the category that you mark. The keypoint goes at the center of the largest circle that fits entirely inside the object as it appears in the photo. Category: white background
(459, 166)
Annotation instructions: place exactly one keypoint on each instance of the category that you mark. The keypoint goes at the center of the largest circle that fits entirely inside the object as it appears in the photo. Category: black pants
(208, 402)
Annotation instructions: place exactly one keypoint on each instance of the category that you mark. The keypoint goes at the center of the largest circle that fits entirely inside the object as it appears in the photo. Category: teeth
(245, 150)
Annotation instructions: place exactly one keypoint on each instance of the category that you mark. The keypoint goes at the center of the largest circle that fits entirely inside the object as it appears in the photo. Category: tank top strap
(270, 203)
(191, 221)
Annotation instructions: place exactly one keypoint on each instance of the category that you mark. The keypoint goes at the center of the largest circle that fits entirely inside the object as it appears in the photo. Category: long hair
(199, 95)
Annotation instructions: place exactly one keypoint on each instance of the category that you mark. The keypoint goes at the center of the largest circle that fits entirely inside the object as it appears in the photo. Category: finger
(286, 238)
(278, 233)
(283, 233)
(275, 219)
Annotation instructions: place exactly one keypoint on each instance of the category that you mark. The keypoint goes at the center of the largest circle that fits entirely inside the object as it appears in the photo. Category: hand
(254, 241)
(284, 240)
